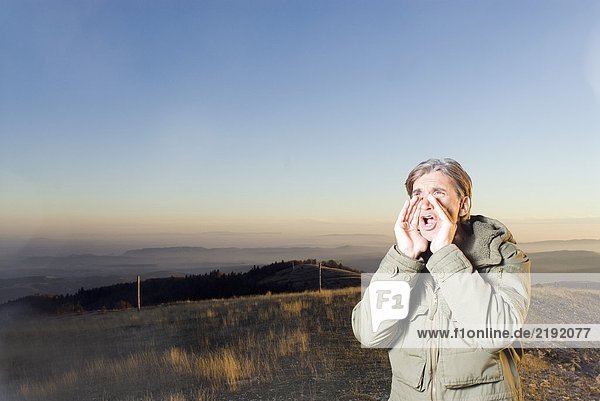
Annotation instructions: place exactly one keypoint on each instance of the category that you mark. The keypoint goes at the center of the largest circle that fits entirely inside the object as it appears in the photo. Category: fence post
(319, 276)
(139, 295)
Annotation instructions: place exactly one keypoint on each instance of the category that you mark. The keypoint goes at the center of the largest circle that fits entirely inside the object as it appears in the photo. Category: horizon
(109, 245)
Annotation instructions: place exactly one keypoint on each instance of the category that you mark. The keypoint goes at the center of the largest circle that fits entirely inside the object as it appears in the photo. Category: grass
(208, 350)
(273, 347)
(293, 308)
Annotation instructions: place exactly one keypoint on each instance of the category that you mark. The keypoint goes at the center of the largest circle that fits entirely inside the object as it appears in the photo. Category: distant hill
(66, 274)
(181, 259)
(284, 276)
(258, 255)
(561, 245)
(306, 277)
(565, 262)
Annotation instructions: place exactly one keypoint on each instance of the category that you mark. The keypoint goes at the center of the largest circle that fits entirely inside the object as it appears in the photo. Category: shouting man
(466, 275)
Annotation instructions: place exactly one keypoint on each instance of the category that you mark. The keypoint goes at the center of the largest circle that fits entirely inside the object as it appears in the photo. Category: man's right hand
(409, 239)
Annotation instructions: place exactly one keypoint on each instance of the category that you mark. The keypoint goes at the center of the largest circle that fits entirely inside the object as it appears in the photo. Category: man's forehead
(434, 179)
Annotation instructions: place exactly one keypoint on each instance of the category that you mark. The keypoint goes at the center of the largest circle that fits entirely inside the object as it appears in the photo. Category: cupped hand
(409, 239)
(447, 230)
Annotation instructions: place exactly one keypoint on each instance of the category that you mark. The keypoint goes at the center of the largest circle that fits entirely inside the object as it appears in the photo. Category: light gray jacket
(484, 283)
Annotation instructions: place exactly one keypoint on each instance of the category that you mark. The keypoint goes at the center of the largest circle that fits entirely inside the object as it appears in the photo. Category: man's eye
(438, 193)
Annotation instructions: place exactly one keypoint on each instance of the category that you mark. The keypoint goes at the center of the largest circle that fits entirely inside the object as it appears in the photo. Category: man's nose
(425, 204)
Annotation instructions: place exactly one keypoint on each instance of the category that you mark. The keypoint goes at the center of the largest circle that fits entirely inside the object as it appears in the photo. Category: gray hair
(449, 167)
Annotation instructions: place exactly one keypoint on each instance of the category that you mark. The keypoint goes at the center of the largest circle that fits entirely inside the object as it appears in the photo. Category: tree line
(155, 291)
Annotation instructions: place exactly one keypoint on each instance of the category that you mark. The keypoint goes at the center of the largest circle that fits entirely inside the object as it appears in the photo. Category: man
(464, 272)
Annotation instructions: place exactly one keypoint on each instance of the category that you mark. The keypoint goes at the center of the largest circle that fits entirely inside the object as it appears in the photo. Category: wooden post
(139, 298)
(319, 276)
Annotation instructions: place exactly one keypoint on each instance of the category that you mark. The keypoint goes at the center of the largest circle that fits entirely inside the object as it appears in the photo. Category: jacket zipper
(434, 349)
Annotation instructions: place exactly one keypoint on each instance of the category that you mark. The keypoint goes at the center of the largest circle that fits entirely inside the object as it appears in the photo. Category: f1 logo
(389, 300)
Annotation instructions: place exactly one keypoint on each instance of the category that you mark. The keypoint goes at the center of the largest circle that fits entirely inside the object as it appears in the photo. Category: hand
(448, 226)
(409, 239)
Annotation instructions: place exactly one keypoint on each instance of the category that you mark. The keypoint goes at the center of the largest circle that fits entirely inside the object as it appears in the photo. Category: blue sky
(130, 116)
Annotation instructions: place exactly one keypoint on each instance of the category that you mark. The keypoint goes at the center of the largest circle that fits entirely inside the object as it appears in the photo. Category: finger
(414, 218)
(414, 203)
(403, 211)
(414, 222)
(403, 222)
(441, 211)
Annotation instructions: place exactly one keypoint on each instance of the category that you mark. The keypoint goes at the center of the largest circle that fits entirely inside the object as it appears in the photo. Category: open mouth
(428, 222)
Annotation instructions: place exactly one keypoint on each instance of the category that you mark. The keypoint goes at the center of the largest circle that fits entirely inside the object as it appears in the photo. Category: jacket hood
(483, 239)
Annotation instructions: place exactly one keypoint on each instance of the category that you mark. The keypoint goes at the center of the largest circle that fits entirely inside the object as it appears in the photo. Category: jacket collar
(481, 240)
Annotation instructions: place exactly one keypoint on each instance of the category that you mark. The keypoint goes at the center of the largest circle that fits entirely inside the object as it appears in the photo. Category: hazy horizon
(380, 235)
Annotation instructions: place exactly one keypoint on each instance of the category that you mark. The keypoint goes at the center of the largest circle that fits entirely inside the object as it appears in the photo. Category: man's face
(441, 187)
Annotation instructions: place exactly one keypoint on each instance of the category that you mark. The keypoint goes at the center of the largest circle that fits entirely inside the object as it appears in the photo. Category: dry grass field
(274, 347)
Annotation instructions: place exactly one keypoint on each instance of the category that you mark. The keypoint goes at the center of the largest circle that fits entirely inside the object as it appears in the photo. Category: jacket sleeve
(394, 266)
(498, 300)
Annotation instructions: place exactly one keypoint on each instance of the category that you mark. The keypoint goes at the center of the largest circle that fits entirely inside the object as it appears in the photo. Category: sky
(146, 117)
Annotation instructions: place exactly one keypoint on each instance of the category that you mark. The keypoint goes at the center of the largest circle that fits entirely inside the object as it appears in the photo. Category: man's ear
(465, 207)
